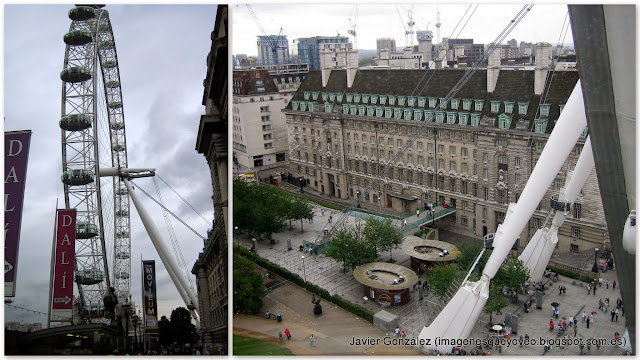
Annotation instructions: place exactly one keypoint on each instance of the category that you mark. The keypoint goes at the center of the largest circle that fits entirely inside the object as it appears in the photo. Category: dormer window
(349, 98)
(392, 100)
(332, 97)
(466, 104)
(374, 99)
(397, 113)
(417, 115)
(495, 106)
(401, 100)
(455, 103)
(585, 132)
(561, 108)
(370, 110)
(443, 103)
(314, 95)
(504, 121)
(522, 108)
(464, 119)
(361, 110)
(508, 107)
(345, 109)
(451, 117)
(383, 99)
(428, 115)
(440, 116)
(407, 114)
(478, 104)
(411, 101)
(540, 125)
(356, 98)
(306, 95)
(379, 111)
(325, 96)
(421, 101)
(544, 109)
(475, 119)
(388, 112)
(365, 99)
(432, 102)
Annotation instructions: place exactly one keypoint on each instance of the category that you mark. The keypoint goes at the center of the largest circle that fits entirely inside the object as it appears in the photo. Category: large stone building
(211, 268)
(475, 154)
(273, 49)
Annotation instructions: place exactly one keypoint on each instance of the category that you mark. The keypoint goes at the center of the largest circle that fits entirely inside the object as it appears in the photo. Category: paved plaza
(328, 274)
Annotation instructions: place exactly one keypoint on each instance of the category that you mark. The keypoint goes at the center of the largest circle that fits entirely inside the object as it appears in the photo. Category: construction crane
(274, 43)
(408, 29)
(352, 28)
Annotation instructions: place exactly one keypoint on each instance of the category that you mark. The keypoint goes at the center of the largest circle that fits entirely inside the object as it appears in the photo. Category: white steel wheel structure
(93, 137)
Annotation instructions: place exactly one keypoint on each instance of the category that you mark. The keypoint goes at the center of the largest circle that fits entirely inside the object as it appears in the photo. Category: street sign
(64, 300)
(63, 268)
(7, 267)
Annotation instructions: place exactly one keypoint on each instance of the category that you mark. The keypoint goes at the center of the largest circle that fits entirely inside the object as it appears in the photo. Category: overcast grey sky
(543, 23)
(162, 52)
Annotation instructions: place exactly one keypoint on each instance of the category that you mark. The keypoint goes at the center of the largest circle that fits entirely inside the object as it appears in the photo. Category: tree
(350, 247)
(383, 234)
(512, 275)
(258, 209)
(495, 302)
(183, 331)
(248, 285)
(297, 208)
(468, 254)
(164, 331)
(440, 277)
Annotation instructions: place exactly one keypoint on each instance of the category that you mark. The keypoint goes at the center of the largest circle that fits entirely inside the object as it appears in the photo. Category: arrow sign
(64, 300)
(7, 266)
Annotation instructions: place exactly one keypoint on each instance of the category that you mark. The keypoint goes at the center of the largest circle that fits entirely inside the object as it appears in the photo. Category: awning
(404, 197)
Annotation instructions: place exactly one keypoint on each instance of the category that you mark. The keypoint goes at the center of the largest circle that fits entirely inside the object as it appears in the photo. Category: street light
(379, 204)
(304, 270)
(235, 233)
(595, 262)
(301, 191)
(358, 196)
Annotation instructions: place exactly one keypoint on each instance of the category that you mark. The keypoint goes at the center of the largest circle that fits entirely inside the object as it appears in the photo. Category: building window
(575, 232)
(464, 191)
(522, 108)
(440, 163)
(577, 211)
(268, 145)
(517, 162)
(452, 150)
(466, 104)
(266, 127)
(264, 108)
(574, 248)
(475, 119)
(495, 106)
(452, 135)
(517, 179)
(508, 107)
(544, 109)
(501, 142)
(486, 194)
(478, 105)
(539, 146)
(451, 118)
(452, 166)
(502, 159)
(464, 119)
(441, 149)
(455, 103)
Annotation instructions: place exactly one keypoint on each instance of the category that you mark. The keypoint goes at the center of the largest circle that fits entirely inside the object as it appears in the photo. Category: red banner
(16, 154)
(149, 293)
(63, 266)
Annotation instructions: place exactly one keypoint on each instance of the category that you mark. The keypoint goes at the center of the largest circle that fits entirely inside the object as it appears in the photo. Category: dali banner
(149, 293)
(16, 154)
(62, 304)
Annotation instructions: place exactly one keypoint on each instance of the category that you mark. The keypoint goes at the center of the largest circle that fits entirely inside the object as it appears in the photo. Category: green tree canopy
(258, 209)
(440, 277)
(512, 275)
(496, 301)
(383, 234)
(248, 285)
(184, 332)
(350, 247)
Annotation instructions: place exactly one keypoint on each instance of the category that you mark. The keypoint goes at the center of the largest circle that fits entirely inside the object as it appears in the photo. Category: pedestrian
(570, 320)
(607, 283)
(280, 338)
(622, 310)
(591, 317)
(313, 339)
(600, 304)
(618, 303)
(575, 329)
(617, 313)
(322, 212)
(584, 315)
(551, 325)
(564, 289)
(614, 284)
(397, 332)
(418, 215)
(594, 289)
(559, 289)
(600, 282)
(588, 321)
(288, 333)
(613, 314)
(330, 218)
(606, 305)
(588, 289)
(404, 222)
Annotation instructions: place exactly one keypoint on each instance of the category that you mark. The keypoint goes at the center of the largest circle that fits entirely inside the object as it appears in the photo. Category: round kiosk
(426, 253)
(388, 284)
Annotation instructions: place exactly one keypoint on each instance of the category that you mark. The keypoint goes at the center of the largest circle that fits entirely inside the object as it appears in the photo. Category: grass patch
(243, 345)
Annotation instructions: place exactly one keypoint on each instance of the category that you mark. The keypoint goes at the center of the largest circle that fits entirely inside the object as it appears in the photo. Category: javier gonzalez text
(490, 342)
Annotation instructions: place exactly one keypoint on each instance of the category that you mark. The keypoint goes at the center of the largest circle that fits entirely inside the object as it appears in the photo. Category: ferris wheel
(93, 137)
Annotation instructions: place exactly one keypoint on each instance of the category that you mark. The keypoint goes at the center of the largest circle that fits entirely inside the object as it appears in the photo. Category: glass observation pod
(81, 13)
(75, 122)
(122, 213)
(110, 64)
(111, 84)
(77, 177)
(122, 191)
(89, 276)
(107, 44)
(122, 275)
(123, 255)
(115, 105)
(75, 74)
(117, 125)
(118, 147)
(77, 37)
(86, 231)
(122, 234)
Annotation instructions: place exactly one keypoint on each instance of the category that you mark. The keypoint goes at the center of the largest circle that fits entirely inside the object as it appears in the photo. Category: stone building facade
(474, 152)
(211, 268)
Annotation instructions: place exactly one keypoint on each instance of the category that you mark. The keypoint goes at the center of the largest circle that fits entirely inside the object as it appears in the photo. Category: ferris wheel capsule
(77, 37)
(76, 177)
(75, 74)
(86, 231)
(82, 13)
(75, 122)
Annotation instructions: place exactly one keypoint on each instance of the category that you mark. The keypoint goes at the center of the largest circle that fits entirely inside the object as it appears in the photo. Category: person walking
(589, 289)
(606, 305)
(330, 218)
(313, 339)
(588, 322)
(397, 331)
(613, 314)
(600, 304)
(614, 284)
(418, 215)
(584, 316)
(288, 333)
(591, 317)
(607, 283)
(570, 320)
(321, 212)
(617, 313)
(551, 325)
(575, 329)
(594, 288)
(280, 338)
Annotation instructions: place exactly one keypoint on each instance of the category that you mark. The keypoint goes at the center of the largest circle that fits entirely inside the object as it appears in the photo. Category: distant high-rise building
(385, 43)
(273, 49)
(513, 43)
(309, 48)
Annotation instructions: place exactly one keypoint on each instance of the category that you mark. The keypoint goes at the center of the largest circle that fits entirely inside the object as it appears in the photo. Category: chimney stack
(493, 70)
(352, 66)
(325, 66)
(543, 58)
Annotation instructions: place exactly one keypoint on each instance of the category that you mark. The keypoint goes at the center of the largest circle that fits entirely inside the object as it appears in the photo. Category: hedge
(570, 274)
(296, 279)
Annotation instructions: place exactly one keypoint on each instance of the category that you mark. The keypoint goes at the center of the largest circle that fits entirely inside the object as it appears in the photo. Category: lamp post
(126, 306)
(358, 197)
(595, 262)
(304, 270)
(235, 233)
(301, 191)
(379, 204)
